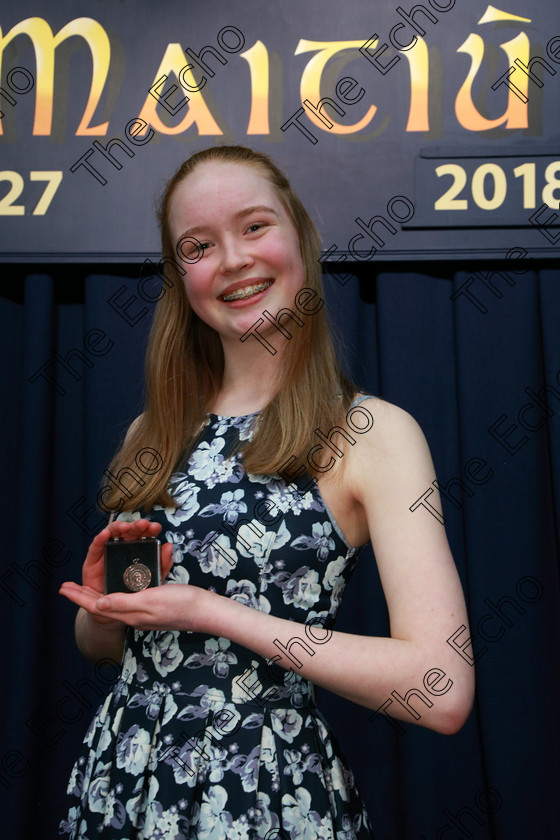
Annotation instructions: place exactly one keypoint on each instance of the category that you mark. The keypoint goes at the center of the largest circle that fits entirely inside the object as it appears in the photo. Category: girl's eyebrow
(239, 215)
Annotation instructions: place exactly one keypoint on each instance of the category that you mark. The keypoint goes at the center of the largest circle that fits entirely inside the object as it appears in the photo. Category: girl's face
(251, 259)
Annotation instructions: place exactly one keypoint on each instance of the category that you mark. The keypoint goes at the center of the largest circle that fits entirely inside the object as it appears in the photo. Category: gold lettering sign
(44, 44)
(175, 69)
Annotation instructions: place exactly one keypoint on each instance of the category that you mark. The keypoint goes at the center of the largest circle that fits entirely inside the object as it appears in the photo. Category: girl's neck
(251, 378)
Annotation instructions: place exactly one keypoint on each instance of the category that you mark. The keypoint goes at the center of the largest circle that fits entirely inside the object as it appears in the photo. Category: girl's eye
(202, 246)
(255, 226)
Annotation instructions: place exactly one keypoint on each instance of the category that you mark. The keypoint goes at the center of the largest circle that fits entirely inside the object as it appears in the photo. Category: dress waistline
(285, 696)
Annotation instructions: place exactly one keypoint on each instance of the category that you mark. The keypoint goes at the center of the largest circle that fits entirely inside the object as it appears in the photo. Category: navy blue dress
(200, 738)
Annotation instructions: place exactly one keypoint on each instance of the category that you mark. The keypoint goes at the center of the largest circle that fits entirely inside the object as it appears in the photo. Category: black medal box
(132, 565)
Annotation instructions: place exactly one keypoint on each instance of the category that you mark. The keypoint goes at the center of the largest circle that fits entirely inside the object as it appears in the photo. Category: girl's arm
(414, 675)
(99, 641)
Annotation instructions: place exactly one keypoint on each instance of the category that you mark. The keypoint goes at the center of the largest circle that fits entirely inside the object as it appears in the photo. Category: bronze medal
(137, 576)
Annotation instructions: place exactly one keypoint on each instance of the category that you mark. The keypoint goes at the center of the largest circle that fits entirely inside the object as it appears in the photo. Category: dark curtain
(480, 373)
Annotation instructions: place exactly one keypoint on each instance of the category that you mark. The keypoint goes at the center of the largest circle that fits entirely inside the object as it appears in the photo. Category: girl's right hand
(93, 576)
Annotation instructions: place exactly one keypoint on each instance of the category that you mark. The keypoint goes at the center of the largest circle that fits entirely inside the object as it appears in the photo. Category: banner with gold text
(423, 131)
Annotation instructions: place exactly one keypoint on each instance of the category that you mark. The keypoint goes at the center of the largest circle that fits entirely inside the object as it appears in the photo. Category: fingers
(133, 608)
(166, 559)
(155, 608)
(106, 609)
(133, 530)
(118, 604)
(69, 587)
(86, 597)
(93, 566)
(125, 530)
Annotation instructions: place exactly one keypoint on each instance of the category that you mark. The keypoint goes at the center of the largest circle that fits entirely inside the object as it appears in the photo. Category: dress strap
(357, 400)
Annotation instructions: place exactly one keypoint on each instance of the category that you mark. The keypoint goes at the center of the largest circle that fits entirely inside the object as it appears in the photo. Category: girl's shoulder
(389, 428)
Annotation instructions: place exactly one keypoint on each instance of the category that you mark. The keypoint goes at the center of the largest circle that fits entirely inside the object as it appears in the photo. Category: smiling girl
(211, 731)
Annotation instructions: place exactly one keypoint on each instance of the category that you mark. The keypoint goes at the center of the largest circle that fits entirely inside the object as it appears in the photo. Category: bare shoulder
(389, 426)
(393, 449)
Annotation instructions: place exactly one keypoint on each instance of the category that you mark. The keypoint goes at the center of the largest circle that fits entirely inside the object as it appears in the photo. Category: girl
(276, 471)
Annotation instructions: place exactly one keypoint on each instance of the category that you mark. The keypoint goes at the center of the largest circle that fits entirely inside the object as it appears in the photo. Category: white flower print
(215, 822)
(244, 425)
(259, 479)
(133, 750)
(248, 427)
(350, 827)
(247, 767)
(180, 548)
(294, 766)
(318, 619)
(185, 494)
(259, 539)
(288, 498)
(230, 506)
(286, 723)
(208, 464)
(339, 780)
(221, 425)
(76, 780)
(114, 814)
(301, 589)
(324, 736)
(117, 721)
(247, 685)
(153, 698)
(261, 816)
(268, 751)
(97, 722)
(178, 574)
(163, 824)
(216, 654)
(210, 700)
(239, 829)
(219, 557)
(300, 820)
(218, 760)
(321, 540)
(297, 688)
(245, 592)
(335, 578)
(184, 756)
(325, 831)
(98, 787)
(162, 647)
(253, 540)
(105, 738)
(70, 825)
(333, 573)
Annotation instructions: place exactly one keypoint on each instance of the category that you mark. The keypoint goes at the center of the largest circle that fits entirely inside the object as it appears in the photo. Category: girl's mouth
(247, 291)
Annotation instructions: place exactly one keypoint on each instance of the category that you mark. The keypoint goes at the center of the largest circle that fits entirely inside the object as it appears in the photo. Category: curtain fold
(485, 388)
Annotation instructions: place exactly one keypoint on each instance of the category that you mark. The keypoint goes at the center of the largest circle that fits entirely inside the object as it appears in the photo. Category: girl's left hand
(170, 606)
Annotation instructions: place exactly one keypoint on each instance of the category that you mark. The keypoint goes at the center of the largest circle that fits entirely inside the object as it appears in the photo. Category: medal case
(132, 565)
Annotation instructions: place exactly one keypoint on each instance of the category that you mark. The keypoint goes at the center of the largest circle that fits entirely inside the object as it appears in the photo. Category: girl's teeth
(247, 292)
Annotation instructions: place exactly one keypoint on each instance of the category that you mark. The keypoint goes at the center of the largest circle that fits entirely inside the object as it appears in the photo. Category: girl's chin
(248, 328)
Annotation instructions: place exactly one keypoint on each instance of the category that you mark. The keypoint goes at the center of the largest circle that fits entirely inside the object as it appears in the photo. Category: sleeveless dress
(200, 738)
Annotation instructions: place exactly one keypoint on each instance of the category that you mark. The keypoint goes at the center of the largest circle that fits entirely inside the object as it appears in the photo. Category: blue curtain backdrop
(484, 386)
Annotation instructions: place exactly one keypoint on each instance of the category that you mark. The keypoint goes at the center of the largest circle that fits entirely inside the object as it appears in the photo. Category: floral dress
(200, 738)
